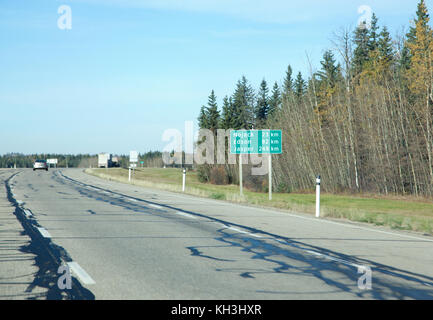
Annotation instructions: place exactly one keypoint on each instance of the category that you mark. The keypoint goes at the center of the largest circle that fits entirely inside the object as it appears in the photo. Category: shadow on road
(288, 256)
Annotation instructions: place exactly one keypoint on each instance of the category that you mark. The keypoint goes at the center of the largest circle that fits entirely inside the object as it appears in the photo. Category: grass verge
(404, 214)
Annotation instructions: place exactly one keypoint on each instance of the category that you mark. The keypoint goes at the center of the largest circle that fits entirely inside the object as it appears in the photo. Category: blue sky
(129, 69)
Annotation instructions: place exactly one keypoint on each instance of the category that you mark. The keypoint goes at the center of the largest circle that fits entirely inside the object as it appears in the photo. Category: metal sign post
(133, 159)
(270, 177)
(132, 167)
(256, 142)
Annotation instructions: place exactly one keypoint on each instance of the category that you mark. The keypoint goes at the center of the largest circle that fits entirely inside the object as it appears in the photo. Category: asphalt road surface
(126, 242)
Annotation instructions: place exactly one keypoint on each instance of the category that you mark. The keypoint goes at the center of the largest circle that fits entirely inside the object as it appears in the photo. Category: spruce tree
(262, 107)
(373, 40)
(331, 72)
(362, 45)
(243, 105)
(213, 115)
(299, 86)
(227, 113)
(422, 17)
(386, 51)
(288, 81)
(275, 100)
(202, 118)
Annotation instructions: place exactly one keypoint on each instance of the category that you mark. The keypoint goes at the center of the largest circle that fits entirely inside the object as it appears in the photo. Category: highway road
(127, 242)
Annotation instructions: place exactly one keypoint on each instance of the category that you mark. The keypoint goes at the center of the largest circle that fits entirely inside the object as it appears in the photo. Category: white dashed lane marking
(44, 232)
(80, 273)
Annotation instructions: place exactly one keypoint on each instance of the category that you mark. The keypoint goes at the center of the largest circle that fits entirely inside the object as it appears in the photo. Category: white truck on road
(104, 160)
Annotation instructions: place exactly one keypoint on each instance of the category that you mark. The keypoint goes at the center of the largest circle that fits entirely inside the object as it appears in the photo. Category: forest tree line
(10, 160)
(363, 121)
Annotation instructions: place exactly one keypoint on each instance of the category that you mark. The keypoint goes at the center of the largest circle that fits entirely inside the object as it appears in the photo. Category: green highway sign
(255, 141)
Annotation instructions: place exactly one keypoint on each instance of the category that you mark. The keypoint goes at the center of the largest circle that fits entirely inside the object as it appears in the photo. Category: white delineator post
(318, 197)
(183, 180)
(129, 178)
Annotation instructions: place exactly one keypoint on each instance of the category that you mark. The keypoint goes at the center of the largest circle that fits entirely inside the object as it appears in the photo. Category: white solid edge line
(80, 273)
(44, 232)
(294, 215)
(255, 235)
(185, 214)
(27, 213)
(334, 259)
(154, 206)
(237, 230)
(241, 231)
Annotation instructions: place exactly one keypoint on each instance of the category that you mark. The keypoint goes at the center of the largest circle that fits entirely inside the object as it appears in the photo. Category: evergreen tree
(362, 45)
(262, 107)
(202, 118)
(331, 72)
(386, 51)
(288, 81)
(209, 117)
(227, 113)
(213, 115)
(404, 61)
(373, 41)
(299, 86)
(243, 105)
(422, 17)
(275, 100)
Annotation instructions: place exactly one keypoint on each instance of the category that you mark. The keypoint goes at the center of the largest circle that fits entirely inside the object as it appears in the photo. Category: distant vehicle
(115, 162)
(40, 164)
(104, 160)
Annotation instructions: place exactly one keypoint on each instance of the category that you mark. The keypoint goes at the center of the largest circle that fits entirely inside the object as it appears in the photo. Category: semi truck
(115, 162)
(104, 160)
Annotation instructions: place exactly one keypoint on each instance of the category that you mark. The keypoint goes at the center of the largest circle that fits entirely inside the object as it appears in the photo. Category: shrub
(218, 175)
(203, 173)
(283, 187)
